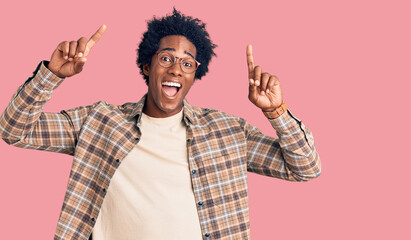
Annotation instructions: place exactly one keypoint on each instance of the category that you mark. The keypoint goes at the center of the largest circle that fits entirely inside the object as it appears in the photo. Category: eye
(187, 64)
(165, 59)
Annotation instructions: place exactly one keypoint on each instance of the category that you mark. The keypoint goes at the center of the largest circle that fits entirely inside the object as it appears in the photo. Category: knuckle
(272, 80)
(257, 72)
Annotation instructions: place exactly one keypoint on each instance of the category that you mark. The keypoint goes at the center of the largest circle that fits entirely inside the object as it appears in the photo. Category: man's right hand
(69, 57)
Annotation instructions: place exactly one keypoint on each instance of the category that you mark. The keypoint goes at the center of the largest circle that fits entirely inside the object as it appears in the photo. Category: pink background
(345, 71)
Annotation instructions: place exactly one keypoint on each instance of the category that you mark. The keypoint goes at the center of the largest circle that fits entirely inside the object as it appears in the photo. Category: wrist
(268, 109)
(276, 112)
(53, 70)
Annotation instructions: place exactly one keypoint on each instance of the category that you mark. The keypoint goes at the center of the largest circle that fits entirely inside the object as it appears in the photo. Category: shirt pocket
(226, 176)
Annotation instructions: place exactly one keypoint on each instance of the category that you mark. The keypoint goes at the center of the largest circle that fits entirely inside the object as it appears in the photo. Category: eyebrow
(173, 50)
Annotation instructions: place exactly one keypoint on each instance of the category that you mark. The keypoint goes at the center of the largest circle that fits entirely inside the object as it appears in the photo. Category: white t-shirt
(150, 195)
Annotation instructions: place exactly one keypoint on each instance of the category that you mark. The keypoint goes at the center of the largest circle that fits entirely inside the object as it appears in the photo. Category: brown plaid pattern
(221, 147)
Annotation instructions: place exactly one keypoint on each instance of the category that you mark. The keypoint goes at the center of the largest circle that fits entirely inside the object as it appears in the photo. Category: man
(165, 169)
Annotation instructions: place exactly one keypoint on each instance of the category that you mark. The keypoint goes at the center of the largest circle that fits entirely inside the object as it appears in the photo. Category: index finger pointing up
(94, 39)
(250, 61)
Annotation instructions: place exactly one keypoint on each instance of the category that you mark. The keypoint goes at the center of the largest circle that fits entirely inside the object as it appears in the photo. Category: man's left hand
(264, 90)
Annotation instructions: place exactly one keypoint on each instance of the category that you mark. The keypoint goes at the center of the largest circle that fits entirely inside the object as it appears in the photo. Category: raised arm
(293, 156)
(23, 124)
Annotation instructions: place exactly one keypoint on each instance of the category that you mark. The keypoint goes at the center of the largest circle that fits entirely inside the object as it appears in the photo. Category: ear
(146, 70)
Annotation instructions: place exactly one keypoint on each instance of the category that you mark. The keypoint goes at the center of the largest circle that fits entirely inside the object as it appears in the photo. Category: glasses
(167, 60)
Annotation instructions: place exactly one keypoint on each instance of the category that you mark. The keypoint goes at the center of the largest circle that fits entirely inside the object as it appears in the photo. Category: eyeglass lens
(188, 65)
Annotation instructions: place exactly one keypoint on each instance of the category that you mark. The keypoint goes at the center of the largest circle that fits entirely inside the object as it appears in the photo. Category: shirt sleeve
(23, 124)
(291, 157)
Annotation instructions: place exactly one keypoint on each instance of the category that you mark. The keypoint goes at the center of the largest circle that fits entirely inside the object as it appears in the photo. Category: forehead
(180, 44)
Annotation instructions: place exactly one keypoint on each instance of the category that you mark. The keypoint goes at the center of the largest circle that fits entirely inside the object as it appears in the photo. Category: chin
(170, 108)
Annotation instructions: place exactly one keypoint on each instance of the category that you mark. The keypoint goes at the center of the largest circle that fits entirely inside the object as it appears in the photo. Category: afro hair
(176, 24)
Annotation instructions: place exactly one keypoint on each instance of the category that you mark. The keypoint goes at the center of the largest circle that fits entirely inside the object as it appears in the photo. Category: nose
(176, 69)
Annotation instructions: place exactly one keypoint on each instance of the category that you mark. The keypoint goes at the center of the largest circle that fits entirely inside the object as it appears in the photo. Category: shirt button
(104, 190)
(207, 234)
(118, 160)
(194, 171)
(200, 203)
(92, 219)
(137, 139)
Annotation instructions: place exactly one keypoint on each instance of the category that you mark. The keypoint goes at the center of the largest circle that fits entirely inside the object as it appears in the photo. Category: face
(168, 87)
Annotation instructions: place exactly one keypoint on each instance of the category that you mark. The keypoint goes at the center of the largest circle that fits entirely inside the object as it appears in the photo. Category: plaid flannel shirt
(221, 149)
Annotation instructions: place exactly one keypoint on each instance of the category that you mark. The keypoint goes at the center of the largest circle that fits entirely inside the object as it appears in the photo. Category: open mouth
(171, 88)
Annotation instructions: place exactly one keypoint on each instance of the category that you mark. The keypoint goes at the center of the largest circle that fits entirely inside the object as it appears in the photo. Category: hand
(69, 57)
(264, 90)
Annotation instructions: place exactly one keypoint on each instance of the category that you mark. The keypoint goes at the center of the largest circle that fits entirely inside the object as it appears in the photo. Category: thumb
(79, 64)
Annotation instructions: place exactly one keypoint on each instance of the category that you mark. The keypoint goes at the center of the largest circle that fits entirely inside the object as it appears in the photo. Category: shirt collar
(188, 111)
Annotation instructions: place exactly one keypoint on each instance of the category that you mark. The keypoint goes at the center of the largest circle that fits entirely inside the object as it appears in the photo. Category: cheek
(188, 88)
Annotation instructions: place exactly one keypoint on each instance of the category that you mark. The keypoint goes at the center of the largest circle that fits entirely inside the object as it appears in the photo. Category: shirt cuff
(44, 79)
(285, 123)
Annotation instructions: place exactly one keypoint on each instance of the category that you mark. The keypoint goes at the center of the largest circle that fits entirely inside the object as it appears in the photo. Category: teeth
(171, 84)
